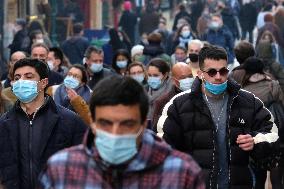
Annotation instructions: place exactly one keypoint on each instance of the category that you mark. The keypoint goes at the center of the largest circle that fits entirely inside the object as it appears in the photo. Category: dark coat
(128, 22)
(54, 78)
(248, 15)
(52, 128)
(16, 44)
(223, 38)
(74, 48)
(230, 20)
(160, 104)
(96, 77)
(188, 127)
(148, 23)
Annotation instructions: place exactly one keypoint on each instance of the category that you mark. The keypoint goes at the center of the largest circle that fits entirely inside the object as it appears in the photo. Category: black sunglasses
(212, 72)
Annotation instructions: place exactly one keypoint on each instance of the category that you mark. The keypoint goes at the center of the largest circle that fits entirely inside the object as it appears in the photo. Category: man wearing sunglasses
(220, 125)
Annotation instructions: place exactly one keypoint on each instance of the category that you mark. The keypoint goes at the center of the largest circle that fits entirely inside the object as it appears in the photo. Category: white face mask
(50, 64)
(185, 84)
(39, 41)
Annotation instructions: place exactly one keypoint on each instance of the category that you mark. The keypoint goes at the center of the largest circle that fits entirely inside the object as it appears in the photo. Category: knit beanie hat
(127, 5)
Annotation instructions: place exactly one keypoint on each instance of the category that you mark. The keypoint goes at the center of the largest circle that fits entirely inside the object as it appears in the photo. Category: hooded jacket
(156, 165)
(188, 127)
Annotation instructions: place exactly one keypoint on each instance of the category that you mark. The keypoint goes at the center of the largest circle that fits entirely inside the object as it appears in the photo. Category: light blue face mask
(215, 89)
(185, 34)
(116, 149)
(25, 90)
(138, 77)
(71, 82)
(185, 84)
(154, 82)
(96, 67)
(121, 64)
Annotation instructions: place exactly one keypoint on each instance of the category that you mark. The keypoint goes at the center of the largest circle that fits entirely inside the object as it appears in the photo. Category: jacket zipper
(30, 151)
(229, 144)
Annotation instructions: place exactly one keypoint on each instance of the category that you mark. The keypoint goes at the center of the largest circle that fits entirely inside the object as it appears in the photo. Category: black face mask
(193, 57)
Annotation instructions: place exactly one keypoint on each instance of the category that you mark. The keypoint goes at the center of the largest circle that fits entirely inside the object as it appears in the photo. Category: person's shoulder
(247, 96)
(74, 154)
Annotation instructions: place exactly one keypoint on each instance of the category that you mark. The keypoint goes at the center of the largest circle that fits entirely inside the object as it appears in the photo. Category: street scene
(142, 94)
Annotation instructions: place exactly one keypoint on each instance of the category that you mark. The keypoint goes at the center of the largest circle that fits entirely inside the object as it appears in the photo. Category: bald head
(16, 56)
(181, 70)
(182, 76)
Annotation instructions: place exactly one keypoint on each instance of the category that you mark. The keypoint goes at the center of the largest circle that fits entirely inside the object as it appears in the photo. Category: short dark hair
(160, 64)
(154, 38)
(58, 54)
(77, 28)
(83, 71)
(243, 50)
(122, 52)
(21, 21)
(181, 48)
(211, 52)
(40, 67)
(92, 49)
(115, 90)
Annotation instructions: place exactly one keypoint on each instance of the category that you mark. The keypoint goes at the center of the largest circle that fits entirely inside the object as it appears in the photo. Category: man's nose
(218, 76)
(115, 129)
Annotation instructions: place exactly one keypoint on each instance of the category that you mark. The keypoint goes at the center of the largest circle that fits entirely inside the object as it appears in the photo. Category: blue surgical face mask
(96, 67)
(116, 149)
(215, 89)
(185, 34)
(25, 90)
(214, 25)
(155, 82)
(185, 84)
(121, 64)
(138, 77)
(71, 82)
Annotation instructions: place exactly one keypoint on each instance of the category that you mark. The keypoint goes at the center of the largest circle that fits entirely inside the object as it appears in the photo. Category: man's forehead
(18, 55)
(39, 50)
(214, 63)
(25, 69)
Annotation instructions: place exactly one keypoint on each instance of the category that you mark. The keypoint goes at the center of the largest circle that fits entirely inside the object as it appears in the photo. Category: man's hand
(245, 142)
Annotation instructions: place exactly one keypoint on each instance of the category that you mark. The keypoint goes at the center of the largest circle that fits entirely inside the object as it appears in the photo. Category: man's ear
(43, 84)
(200, 74)
(57, 62)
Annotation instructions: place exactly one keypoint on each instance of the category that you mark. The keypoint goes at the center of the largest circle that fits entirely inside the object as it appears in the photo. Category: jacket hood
(152, 152)
(257, 77)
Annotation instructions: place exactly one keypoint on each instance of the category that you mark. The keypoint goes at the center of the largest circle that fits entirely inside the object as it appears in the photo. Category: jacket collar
(232, 87)
(50, 109)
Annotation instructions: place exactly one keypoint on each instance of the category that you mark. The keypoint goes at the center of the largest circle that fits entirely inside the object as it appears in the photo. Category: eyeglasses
(212, 72)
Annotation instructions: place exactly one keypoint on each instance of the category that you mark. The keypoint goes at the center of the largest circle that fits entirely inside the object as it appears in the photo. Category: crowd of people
(199, 106)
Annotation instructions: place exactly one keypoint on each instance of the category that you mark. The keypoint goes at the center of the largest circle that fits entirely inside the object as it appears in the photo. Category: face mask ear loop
(139, 132)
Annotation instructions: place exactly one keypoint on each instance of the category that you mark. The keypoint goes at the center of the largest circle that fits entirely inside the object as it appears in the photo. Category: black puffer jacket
(25, 145)
(188, 127)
